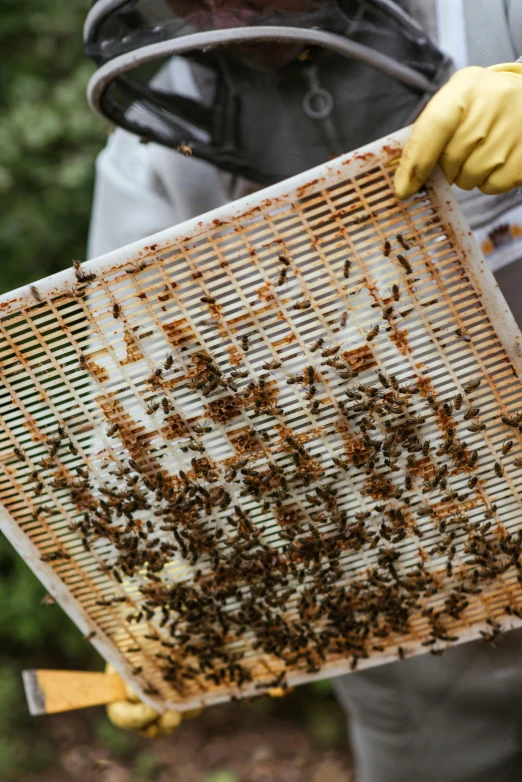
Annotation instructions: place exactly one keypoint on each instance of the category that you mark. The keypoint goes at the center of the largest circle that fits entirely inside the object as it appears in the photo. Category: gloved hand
(132, 714)
(473, 128)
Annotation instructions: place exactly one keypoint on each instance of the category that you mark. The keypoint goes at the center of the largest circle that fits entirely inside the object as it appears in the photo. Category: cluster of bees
(269, 534)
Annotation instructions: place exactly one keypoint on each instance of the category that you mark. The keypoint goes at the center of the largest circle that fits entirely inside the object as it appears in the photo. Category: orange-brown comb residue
(133, 349)
(235, 356)
(266, 293)
(359, 359)
(178, 332)
(224, 409)
(399, 337)
(174, 427)
(244, 442)
(378, 487)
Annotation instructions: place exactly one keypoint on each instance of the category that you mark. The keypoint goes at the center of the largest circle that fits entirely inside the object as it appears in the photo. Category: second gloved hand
(473, 128)
(132, 714)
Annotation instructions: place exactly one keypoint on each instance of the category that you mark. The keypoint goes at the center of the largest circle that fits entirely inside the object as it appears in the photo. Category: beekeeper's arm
(473, 128)
(129, 199)
(144, 188)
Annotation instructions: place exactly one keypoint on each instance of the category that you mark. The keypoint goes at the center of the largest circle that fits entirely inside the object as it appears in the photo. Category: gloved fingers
(513, 68)
(474, 151)
(165, 725)
(131, 716)
(505, 177)
(472, 134)
(486, 159)
(430, 135)
(433, 130)
(455, 155)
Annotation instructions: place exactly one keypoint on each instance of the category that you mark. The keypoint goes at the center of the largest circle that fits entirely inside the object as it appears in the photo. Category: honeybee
(404, 263)
(462, 334)
(507, 447)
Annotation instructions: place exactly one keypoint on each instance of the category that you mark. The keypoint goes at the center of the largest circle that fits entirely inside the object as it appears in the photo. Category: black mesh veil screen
(241, 106)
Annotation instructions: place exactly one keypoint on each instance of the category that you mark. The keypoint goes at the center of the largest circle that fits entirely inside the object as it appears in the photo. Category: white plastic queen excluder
(276, 443)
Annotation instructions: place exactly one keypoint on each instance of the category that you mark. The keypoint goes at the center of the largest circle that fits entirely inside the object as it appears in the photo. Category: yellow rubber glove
(132, 714)
(473, 128)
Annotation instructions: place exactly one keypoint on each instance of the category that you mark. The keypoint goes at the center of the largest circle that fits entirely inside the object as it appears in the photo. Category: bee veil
(264, 90)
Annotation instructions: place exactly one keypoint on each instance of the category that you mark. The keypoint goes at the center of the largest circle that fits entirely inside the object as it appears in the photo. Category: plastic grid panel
(289, 535)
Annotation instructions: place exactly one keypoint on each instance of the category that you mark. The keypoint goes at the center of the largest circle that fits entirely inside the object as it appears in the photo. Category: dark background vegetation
(48, 143)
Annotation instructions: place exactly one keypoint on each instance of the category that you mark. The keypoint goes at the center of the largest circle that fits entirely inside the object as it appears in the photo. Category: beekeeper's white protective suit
(456, 718)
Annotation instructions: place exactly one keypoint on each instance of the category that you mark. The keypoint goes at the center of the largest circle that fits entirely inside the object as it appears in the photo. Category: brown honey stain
(179, 332)
(99, 373)
(166, 295)
(359, 359)
(174, 428)
(245, 443)
(266, 293)
(224, 409)
(214, 310)
(234, 355)
(133, 349)
(423, 468)
(400, 340)
(284, 340)
(424, 385)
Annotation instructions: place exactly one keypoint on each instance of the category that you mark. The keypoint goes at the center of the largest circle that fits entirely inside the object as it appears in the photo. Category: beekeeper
(213, 99)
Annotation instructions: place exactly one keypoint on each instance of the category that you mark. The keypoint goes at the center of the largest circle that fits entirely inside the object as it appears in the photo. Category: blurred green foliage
(222, 776)
(49, 139)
